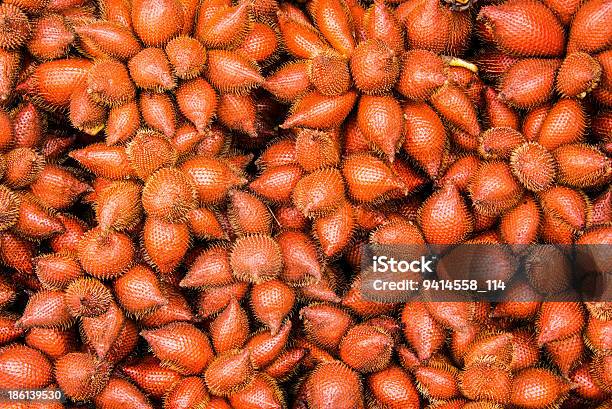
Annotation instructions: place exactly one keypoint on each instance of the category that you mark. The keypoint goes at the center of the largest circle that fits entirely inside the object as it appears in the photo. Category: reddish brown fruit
(300, 258)
(85, 113)
(230, 328)
(52, 341)
(238, 113)
(375, 67)
(589, 31)
(456, 107)
(422, 72)
(189, 392)
(565, 123)
(116, 246)
(582, 166)
(204, 224)
(444, 217)
(138, 291)
(51, 38)
(528, 82)
(533, 166)
(105, 161)
(277, 183)
(498, 113)
(156, 22)
(315, 110)
(368, 178)
(46, 309)
(329, 74)
(486, 379)
(437, 380)
(165, 243)
(180, 346)
(197, 100)
(261, 44)
(271, 301)
(150, 69)
(187, 57)
(229, 372)
(299, 37)
(586, 386)
(316, 149)
(366, 348)
(380, 119)
(566, 353)
(256, 258)
(325, 324)
(211, 268)
(559, 320)
(16, 252)
(425, 137)
(15, 29)
(498, 143)
(229, 71)
(261, 391)
(122, 123)
(334, 22)
(9, 208)
(119, 392)
(109, 83)
(22, 167)
(158, 112)
(264, 348)
(151, 376)
(57, 270)
(213, 299)
(289, 82)
(393, 388)
(248, 214)
(493, 189)
(567, 205)
(118, 206)
(108, 38)
(540, 32)
(68, 240)
(212, 177)
(335, 230)
(52, 82)
(169, 194)
(226, 28)
(24, 367)
(424, 334)
(319, 192)
(521, 224)
(578, 75)
(80, 375)
(278, 153)
(34, 222)
(333, 385)
(87, 297)
(57, 187)
(537, 388)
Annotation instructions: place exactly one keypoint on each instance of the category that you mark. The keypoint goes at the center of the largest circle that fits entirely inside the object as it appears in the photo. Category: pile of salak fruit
(187, 187)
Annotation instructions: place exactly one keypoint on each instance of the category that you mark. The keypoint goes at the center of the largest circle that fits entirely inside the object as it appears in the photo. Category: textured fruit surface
(196, 197)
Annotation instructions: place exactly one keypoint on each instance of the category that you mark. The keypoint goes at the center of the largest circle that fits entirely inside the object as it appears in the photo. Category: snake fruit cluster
(187, 188)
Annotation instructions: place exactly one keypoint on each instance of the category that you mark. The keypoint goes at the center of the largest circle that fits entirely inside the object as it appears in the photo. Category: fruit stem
(458, 62)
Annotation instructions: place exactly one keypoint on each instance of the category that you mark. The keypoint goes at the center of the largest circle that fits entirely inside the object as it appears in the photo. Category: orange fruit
(271, 301)
(24, 367)
(229, 372)
(180, 346)
(230, 328)
(87, 297)
(375, 67)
